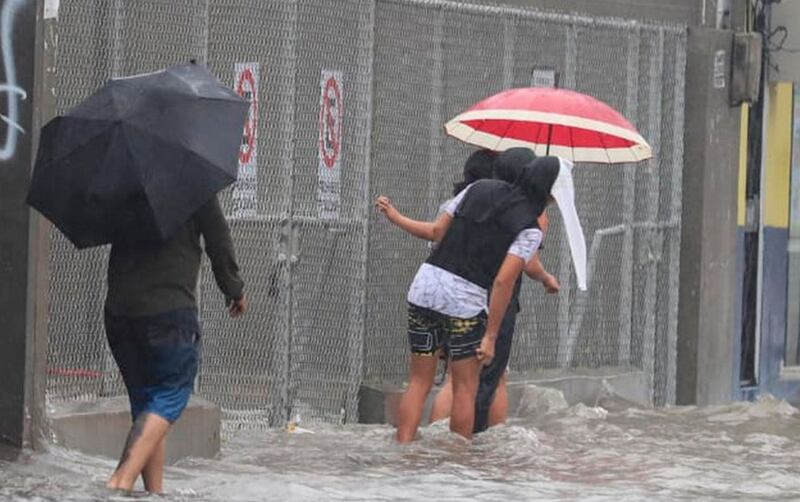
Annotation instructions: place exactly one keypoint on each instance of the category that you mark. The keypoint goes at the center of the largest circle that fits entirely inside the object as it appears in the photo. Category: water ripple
(741, 451)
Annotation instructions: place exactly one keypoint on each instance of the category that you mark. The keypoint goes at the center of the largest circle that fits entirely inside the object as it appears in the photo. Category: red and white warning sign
(245, 190)
(331, 115)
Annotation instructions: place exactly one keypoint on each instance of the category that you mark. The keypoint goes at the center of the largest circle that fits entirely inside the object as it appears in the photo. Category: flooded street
(741, 451)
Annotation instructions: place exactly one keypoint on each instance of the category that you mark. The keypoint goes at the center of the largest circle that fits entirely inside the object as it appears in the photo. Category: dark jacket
(154, 278)
(477, 241)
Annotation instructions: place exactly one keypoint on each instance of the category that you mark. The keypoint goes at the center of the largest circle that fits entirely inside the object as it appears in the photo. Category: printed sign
(544, 77)
(719, 69)
(331, 115)
(51, 9)
(245, 190)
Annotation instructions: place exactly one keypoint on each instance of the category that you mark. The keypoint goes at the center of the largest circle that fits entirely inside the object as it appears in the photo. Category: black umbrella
(134, 160)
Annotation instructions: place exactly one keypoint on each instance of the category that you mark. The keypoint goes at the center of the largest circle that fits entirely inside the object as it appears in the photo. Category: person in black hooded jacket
(491, 401)
(490, 231)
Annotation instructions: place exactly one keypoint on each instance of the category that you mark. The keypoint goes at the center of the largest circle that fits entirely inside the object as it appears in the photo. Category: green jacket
(156, 278)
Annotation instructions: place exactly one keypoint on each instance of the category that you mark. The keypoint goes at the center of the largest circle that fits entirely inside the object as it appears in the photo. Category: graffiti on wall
(14, 93)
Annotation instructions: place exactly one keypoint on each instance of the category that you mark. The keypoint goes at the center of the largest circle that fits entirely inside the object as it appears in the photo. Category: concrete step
(100, 427)
(378, 403)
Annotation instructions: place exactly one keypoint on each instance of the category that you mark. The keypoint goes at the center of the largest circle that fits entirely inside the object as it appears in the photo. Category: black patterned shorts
(430, 331)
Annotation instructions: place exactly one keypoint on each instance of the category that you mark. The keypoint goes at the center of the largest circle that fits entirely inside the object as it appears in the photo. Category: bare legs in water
(498, 413)
(144, 454)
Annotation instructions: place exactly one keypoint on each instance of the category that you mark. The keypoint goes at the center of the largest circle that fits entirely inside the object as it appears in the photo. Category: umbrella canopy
(551, 121)
(137, 158)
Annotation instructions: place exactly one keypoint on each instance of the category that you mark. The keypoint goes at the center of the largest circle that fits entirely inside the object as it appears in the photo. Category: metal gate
(298, 351)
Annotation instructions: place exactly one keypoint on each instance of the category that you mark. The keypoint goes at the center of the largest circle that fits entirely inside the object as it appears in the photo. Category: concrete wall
(706, 349)
(17, 107)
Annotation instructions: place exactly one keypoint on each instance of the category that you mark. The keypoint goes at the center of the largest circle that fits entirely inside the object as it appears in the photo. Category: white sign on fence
(331, 115)
(245, 190)
(544, 77)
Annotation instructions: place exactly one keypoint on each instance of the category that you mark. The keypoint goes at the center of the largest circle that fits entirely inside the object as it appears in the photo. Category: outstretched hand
(385, 206)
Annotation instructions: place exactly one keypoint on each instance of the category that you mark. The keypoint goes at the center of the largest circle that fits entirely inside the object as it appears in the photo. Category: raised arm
(428, 230)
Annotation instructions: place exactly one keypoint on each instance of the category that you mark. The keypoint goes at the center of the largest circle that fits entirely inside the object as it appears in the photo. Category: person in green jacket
(153, 331)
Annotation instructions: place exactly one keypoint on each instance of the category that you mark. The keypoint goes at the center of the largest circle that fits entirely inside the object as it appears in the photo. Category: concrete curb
(100, 428)
(378, 403)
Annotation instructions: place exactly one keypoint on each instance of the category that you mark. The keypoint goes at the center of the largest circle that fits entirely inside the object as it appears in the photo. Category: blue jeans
(158, 358)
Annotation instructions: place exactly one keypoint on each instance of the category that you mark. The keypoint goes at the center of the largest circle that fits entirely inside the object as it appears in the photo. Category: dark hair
(477, 167)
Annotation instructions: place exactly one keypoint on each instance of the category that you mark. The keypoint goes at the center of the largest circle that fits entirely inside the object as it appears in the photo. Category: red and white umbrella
(551, 121)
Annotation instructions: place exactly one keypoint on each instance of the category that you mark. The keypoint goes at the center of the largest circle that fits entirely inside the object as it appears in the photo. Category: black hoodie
(489, 219)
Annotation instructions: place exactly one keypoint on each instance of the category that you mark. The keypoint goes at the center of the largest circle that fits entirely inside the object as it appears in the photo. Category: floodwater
(611, 452)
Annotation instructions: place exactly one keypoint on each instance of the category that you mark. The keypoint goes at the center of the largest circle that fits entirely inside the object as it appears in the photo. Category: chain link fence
(440, 57)
(102, 39)
(349, 101)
